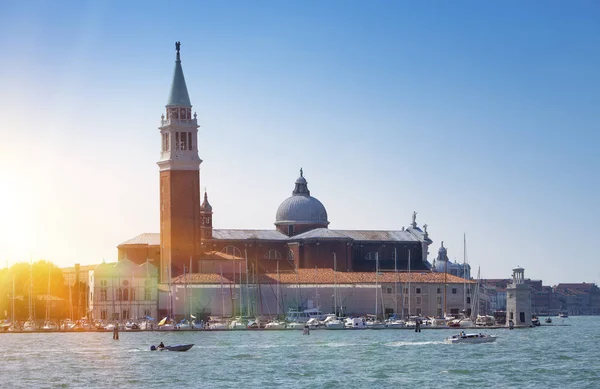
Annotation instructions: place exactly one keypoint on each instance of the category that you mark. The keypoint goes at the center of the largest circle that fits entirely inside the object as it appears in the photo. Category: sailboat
(373, 322)
(395, 322)
(332, 322)
(49, 325)
(276, 324)
(29, 325)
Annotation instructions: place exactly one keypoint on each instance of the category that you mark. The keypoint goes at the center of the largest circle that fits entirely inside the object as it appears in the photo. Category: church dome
(301, 207)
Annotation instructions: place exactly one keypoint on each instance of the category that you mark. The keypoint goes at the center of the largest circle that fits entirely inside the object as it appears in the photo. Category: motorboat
(535, 321)
(275, 325)
(333, 323)
(50, 326)
(131, 325)
(217, 325)
(176, 347)
(563, 315)
(485, 320)
(373, 323)
(313, 323)
(470, 338)
(548, 320)
(294, 326)
(356, 323)
(461, 323)
(29, 325)
(238, 324)
(439, 322)
(302, 316)
(395, 323)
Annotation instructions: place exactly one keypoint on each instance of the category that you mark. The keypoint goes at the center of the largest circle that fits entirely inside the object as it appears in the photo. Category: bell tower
(179, 167)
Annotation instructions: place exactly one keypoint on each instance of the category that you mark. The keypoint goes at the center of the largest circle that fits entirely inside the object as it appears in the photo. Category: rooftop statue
(177, 46)
(414, 217)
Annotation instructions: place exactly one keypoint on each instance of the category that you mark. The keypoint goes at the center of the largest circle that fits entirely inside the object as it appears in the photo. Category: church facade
(301, 237)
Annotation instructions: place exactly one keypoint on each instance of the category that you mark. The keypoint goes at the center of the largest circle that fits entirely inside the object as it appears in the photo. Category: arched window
(371, 256)
(132, 294)
(290, 255)
(119, 294)
(273, 254)
(125, 294)
(232, 250)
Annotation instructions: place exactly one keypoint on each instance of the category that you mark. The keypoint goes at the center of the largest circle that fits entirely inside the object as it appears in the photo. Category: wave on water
(402, 344)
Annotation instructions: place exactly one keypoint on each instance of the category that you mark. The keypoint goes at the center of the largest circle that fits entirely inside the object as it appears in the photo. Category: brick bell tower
(179, 166)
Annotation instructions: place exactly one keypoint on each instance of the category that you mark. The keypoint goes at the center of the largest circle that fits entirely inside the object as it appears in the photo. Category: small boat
(548, 320)
(563, 315)
(334, 324)
(295, 326)
(470, 338)
(175, 347)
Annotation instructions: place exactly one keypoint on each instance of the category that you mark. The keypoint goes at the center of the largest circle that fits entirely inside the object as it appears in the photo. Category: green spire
(179, 95)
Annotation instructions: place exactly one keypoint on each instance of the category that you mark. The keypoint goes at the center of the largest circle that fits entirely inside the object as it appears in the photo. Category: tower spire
(179, 94)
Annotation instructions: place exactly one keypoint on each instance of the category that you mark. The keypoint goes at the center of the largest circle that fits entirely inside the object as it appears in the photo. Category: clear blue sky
(481, 116)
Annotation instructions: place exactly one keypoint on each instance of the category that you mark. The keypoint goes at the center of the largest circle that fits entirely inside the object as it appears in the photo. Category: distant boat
(548, 320)
(470, 338)
(563, 315)
(176, 347)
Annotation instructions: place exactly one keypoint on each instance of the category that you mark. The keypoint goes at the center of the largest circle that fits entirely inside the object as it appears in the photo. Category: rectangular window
(418, 290)
(419, 300)
(183, 141)
(176, 141)
(468, 300)
(190, 141)
(389, 290)
(405, 311)
(439, 299)
(290, 230)
(439, 290)
(439, 312)
(405, 299)
(511, 316)
(453, 290)
(405, 290)
(468, 291)
(103, 294)
(167, 142)
(103, 314)
(125, 314)
(522, 317)
(419, 311)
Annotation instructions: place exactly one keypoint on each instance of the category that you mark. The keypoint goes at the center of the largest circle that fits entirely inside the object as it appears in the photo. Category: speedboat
(176, 347)
(470, 338)
(548, 320)
(563, 315)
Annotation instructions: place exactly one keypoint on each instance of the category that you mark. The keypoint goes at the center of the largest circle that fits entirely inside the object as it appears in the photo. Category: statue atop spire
(301, 173)
(178, 97)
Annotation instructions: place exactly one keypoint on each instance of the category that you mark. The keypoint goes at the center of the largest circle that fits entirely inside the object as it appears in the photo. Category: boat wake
(403, 344)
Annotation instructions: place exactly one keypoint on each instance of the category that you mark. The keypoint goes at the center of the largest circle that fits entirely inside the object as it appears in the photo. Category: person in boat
(462, 334)
(161, 345)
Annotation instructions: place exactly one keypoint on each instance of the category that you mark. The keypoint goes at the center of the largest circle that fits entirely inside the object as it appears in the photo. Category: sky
(480, 116)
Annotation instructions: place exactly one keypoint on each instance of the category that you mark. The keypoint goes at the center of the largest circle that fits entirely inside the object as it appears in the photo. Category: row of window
(104, 283)
(125, 314)
(124, 294)
(271, 254)
(419, 291)
(183, 141)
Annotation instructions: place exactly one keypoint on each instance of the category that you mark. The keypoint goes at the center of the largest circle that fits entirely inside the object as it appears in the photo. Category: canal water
(562, 355)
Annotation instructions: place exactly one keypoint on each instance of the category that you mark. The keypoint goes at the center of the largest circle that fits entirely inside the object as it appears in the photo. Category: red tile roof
(325, 276)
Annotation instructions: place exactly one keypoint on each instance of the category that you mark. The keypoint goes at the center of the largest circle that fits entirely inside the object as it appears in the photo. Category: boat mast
(395, 281)
(316, 288)
(247, 288)
(409, 284)
(445, 285)
(464, 275)
(334, 285)
(376, 282)
(241, 296)
(222, 293)
(184, 291)
(277, 288)
(48, 294)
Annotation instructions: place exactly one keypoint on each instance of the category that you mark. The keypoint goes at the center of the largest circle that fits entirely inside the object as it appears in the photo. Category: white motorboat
(395, 323)
(295, 326)
(29, 326)
(375, 325)
(50, 326)
(304, 315)
(238, 324)
(275, 325)
(470, 338)
(485, 320)
(334, 324)
(355, 323)
(438, 322)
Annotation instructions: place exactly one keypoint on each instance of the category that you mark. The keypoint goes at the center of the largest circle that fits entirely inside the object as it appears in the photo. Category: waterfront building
(122, 291)
(518, 300)
(344, 293)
